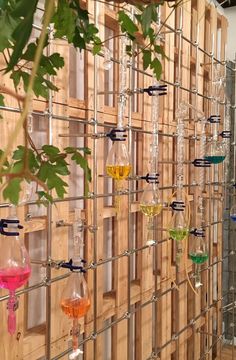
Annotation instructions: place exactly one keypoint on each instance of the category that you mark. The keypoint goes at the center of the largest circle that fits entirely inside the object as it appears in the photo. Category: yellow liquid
(151, 210)
(118, 172)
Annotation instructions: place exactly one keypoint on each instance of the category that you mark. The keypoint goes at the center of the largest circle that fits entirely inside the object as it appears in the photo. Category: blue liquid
(215, 159)
(233, 217)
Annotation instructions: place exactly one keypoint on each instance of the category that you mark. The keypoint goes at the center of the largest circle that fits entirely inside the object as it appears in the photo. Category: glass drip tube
(75, 301)
(118, 164)
(150, 203)
(179, 225)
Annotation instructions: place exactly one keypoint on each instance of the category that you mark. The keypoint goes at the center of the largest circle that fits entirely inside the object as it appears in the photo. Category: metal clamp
(201, 163)
(69, 265)
(198, 232)
(4, 224)
(151, 178)
(153, 90)
(214, 119)
(226, 134)
(117, 134)
(177, 205)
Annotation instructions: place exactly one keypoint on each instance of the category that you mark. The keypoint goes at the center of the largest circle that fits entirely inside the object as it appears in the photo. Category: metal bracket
(150, 179)
(4, 224)
(153, 90)
(214, 119)
(69, 265)
(198, 232)
(117, 134)
(226, 134)
(177, 205)
(201, 163)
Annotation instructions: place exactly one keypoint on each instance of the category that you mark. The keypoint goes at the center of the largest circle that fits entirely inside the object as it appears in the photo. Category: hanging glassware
(107, 64)
(233, 213)
(14, 264)
(215, 152)
(118, 164)
(199, 255)
(75, 301)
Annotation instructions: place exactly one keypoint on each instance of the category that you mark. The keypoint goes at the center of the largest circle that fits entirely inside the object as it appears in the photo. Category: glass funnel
(75, 303)
(233, 213)
(178, 231)
(14, 266)
(150, 206)
(215, 152)
(198, 254)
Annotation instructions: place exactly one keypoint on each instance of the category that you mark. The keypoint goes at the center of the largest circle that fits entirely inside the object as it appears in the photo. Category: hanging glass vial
(233, 213)
(199, 255)
(14, 264)
(75, 300)
(215, 152)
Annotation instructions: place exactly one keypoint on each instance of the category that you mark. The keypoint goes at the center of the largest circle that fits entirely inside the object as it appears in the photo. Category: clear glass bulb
(14, 269)
(198, 254)
(150, 203)
(178, 228)
(215, 152)
(233, 213)
(75, 303)
(118, 164)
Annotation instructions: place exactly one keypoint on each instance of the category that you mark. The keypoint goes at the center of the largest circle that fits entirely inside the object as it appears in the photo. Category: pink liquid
(13, 278)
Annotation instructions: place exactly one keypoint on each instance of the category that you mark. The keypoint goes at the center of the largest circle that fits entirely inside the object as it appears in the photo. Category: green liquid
(198, 258)
(215, 159)
(178, 234)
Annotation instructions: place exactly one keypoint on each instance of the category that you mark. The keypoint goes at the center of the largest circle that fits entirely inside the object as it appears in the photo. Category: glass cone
(150, 203)
(233, 213)
(199, 255)
(75, 303)
(178, 228)
(118, 162)
(215, 152)
(14, 269)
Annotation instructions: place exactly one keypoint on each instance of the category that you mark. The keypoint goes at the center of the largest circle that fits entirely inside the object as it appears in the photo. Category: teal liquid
(198, 258)
(215, 159)
(233, 217)
(178, 234)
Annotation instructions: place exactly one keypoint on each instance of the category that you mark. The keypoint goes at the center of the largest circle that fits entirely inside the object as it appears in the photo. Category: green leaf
(97, 48)
(159, 50)
(19, 153)
(50, 150)
(147, 18)
(147, 58)
(22, 33)
(64, 21)
(2, 100)
(50, 85)
(42, 195)
(57, 60)
(7, 26)
(12, 191)
(127, 25)
(157, 68)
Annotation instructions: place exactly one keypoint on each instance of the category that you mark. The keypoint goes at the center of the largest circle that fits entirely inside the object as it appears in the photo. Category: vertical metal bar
(49, 219)
(95, 184)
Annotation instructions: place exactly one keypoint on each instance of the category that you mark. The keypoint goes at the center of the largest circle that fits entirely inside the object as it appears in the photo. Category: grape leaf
(12, 191)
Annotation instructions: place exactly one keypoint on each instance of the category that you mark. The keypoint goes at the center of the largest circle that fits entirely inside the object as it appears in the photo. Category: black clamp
(226, 134)
(214, 119)
(151, 178)
(4, 224)
(201, 163)
(198, 232)
(69, 265)
(177, 205)
(155, 90)
(117, 134)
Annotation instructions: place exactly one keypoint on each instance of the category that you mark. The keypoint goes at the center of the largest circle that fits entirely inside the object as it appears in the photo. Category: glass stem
(118, 187)
(12, 305)
(75, 334)
(198, 275)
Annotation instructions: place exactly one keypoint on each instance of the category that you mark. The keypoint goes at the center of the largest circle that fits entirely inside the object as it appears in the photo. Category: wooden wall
(126, 284)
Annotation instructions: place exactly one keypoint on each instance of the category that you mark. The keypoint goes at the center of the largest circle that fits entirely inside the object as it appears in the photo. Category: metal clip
(214, 119)
(151, 178)
(198, 232)
(201, 163)
(177, 205)
(69, 265)
(4, 224)
(226, 134)
(155, 90)
(117, 134)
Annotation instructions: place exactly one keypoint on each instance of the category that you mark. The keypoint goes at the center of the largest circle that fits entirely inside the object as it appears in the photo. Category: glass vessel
(233, 213)
(199, 255)
(215, 152)
(178, 231)
(14, 266)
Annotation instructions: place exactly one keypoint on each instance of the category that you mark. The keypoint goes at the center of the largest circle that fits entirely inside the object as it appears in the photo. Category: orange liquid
(75, 308)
